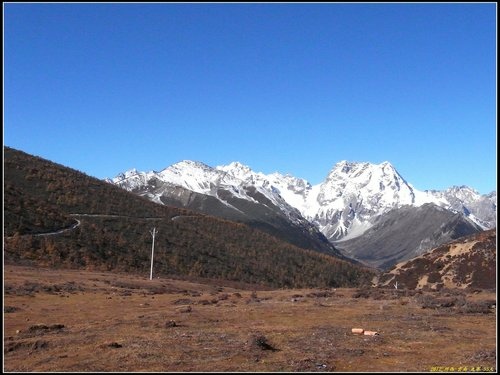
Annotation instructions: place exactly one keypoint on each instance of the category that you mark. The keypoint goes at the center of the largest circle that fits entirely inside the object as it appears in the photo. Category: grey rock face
(405, 233)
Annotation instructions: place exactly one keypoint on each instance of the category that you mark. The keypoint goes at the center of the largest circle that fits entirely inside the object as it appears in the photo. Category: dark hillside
(41, 197)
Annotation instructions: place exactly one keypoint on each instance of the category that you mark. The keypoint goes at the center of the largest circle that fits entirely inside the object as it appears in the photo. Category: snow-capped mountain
(342, 207)
(203, 179)
(353, 194)
(345, 205)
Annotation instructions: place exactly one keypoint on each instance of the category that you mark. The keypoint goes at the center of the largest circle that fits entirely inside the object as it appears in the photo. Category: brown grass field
(79, 321)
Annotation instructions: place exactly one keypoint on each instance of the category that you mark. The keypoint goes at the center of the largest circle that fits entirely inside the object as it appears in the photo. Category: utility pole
(153, 233)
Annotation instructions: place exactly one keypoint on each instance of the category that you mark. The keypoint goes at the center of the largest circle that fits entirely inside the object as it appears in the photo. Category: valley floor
(72, 320)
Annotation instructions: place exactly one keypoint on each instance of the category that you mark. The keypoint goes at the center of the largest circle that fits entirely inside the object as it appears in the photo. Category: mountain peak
(386, 164)
(238, 170)
(345, 166)
(363, 171)
(348, 167)
(456, 188)
(190, 164)
(124, 175)
(235, 166)
(131, 172)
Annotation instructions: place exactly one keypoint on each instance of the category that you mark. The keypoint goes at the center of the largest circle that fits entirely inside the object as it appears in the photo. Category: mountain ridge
(352, 194)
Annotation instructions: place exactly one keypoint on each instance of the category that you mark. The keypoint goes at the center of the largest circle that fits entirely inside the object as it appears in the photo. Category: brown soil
(71, 320)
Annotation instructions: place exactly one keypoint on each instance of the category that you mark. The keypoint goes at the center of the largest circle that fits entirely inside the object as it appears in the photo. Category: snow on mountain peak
(463, 189)
(131, 179)
(238, 170)
(357, 168)
(345, 166)
(124, 175)
(365, 180)
(193, 175)
(127, 174)
(236, 165)
(189, 164)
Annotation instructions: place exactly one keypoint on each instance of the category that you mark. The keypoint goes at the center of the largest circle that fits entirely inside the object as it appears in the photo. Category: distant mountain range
(353, 203)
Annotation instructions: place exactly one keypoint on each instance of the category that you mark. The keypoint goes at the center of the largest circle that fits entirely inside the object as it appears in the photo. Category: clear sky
(294, 88)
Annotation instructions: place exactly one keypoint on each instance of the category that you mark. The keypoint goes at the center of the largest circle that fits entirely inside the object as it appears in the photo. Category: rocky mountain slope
(469, 262)
(406, 232)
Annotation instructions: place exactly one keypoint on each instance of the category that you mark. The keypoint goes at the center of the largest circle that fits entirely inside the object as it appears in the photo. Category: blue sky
(293, 88)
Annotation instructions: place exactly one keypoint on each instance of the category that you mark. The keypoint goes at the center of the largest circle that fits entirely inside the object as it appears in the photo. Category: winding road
(78, 222)
(74, 226)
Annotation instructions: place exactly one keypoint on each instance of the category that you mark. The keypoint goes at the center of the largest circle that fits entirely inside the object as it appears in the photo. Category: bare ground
(78, 321)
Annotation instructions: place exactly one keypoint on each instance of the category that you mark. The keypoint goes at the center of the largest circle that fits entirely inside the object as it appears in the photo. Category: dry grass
(62, 320)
